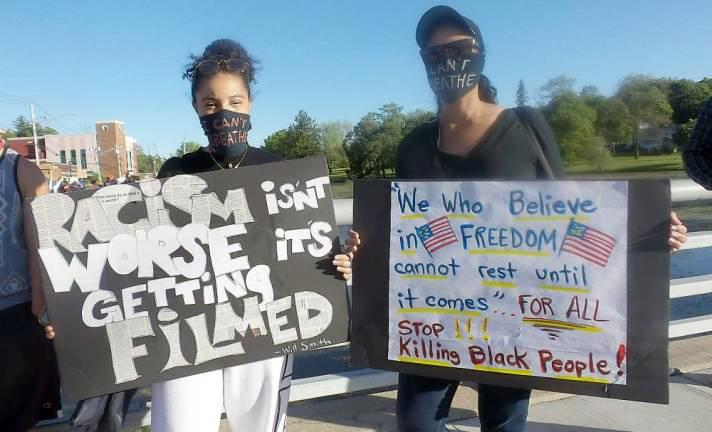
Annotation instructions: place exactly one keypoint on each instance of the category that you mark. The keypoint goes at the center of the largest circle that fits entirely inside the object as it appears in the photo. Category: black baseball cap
(439, 15)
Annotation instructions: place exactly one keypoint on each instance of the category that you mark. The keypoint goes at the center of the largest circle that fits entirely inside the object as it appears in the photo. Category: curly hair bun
(221, 49)
(225, 49)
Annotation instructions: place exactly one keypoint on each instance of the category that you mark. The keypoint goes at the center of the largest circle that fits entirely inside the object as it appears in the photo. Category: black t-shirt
(200, 161)
(506, 152)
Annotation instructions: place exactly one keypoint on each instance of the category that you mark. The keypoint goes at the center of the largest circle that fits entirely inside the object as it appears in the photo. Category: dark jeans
(29, 380)
(424, 404)
(102, 413)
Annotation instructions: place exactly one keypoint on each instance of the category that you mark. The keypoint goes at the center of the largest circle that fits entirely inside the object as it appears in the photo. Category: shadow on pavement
(367, 411)
(474, 425)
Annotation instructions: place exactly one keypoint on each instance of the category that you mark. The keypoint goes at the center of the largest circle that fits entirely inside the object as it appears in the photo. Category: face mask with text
(453, 69)
(226, 132)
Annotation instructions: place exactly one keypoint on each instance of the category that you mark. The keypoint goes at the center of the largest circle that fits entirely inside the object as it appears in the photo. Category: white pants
(254, 396)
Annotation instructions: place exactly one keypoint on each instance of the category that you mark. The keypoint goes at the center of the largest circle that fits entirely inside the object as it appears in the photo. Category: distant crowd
(65, 185)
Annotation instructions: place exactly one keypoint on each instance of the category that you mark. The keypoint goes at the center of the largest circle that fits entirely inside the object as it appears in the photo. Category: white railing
(682, 191)
(369, 380)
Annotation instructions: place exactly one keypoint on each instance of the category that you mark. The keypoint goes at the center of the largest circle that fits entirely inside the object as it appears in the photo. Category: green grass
(342, 190)
(620, 166)
(341, 186)
(628, 164)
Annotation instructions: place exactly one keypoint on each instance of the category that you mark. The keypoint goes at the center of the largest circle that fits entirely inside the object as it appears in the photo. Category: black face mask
(453, 69)
(227, 133)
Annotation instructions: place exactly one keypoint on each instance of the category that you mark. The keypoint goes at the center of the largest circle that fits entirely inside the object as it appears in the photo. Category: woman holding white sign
(472, 138)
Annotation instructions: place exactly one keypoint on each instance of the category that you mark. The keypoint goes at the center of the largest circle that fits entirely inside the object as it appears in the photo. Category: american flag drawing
(588, 243)
(436, 234)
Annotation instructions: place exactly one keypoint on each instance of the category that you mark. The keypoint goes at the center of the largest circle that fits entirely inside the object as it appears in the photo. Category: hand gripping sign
(161, 279)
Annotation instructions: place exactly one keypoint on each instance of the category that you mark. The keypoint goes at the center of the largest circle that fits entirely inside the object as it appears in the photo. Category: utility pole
(34, 133)
(118, 158)
(153, 159)
(96, 155)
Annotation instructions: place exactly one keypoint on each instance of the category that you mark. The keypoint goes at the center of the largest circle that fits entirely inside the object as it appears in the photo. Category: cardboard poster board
(548, 285)
(166, 278)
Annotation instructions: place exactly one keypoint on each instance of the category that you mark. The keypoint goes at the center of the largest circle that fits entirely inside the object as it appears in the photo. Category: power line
(56, 120)
(18, 98)
(11, 102)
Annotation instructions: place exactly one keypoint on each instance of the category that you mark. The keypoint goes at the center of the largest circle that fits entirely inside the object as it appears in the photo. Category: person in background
(471, 138)
(56, 186)
(64, 186)
(698, 153)
(29, 380)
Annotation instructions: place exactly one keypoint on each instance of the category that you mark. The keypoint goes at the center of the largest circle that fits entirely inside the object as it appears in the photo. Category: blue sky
(337, 60)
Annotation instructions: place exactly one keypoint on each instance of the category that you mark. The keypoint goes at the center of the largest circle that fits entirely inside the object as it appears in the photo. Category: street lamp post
(118, 159)
(34, 133)
(96, 155)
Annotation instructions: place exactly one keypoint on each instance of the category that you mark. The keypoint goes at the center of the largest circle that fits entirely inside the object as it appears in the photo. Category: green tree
(647, 103)
(278, 143)
(573, 123)
(23, 128)
(522, 97)
(332, 136)
(555, 87)
(613, 122)
(371, 145)
(416, 118)
(358, 143)
(8, 133)
(304, 136)
(687, 98)
(301, 139)
(187, 147)
(390, 134)
(148, 163)
(597, 154)
(590, 96)
(682, 136)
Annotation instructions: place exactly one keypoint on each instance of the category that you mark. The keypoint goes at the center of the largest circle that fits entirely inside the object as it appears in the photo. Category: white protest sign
(516, 278)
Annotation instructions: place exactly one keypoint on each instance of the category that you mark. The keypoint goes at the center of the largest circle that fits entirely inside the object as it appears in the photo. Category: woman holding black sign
(254, 395)
(472, 138)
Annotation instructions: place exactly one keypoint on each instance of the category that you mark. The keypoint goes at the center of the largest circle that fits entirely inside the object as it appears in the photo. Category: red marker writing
(620, 355)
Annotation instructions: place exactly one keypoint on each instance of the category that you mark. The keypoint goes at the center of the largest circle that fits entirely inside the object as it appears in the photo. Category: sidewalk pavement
(690, 408)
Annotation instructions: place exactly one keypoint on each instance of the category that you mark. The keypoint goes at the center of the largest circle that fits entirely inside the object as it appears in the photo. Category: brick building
(25, 147)
(108, 152)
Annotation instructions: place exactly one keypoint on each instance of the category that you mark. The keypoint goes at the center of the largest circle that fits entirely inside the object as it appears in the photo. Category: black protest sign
(560, 286)
(166, 278)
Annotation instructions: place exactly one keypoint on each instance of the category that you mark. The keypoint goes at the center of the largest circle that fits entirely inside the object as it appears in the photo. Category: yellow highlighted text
(493, 284)
(428, 277)
(441, 311)
(563, 288)
(510, 252)
(500, 370)
(424, 362)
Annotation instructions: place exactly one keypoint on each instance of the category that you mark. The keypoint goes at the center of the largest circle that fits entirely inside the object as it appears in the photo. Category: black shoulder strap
(4, 151)
(17, 174)
(535, 141)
